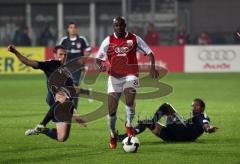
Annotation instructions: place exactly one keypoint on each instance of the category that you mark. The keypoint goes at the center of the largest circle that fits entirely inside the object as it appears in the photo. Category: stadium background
(218, 17)
(207, 71)
(94, 18)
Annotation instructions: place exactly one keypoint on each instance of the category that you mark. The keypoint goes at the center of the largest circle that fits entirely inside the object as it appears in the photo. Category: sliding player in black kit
(48, 67)
(52, 68)
(54, 97)
(177, 129)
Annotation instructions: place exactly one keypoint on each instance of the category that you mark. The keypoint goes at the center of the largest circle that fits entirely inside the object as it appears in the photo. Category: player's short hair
(58, 47)
(119, 17)
(201, 102)
(70, 23)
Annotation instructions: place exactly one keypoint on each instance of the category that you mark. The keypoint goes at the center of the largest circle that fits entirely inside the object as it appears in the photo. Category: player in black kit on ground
(177, 129)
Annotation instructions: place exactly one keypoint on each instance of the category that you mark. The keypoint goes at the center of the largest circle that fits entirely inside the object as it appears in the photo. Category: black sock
(50, 114)
(139, 128)
(162, 110)
(157, 116)
(52, 133)
(121, 137)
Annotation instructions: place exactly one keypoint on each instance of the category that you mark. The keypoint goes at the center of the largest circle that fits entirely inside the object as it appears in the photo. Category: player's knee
(164, 108)
(62, 137)
(130, 91)
(130, 103)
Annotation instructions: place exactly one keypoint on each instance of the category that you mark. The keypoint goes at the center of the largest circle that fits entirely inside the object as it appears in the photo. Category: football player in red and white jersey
(120, 50)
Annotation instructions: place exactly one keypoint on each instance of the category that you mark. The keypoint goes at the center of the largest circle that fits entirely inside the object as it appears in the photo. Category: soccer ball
(131, 144)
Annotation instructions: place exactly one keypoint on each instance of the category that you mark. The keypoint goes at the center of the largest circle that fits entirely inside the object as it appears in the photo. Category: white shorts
(119, 84)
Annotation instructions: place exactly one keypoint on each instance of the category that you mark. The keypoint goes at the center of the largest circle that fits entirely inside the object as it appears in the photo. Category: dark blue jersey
(185, 132)
(198, 120)
(48, 67)
(75, 46)
(56, 75)
(55, 66)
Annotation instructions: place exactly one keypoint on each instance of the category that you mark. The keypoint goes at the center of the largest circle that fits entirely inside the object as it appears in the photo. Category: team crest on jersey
(130, 43)
(78, 45)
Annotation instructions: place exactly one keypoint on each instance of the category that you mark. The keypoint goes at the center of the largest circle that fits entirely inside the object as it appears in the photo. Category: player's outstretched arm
(153, 72)
(209, 128)
(23, 59)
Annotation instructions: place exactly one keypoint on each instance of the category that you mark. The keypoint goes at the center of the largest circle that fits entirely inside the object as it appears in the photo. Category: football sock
(112, 119)
(162, 110)
(49, 115)
(130, 112)
(52, 133)
(139, 128)
(121, 137)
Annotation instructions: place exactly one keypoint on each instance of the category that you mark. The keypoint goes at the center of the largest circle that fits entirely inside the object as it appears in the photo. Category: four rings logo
(217, 55)
(121, 50)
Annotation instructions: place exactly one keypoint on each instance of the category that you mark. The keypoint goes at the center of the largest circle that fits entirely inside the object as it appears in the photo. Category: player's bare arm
(23, 59)
(100, 65)
(153, 72)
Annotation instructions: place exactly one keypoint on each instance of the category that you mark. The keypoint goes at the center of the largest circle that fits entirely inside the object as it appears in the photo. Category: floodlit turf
(22, 106)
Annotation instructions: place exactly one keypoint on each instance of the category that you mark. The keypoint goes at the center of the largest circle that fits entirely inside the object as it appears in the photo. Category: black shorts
(63, 112)
(179, 132)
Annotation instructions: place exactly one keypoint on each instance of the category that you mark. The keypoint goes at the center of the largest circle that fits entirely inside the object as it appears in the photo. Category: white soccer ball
(131, 144)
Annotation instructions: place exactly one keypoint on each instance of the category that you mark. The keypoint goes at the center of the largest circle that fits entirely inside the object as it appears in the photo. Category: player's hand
(212, 129)
(102, 68)
(12, 48)
(153, 72)
(80, 121)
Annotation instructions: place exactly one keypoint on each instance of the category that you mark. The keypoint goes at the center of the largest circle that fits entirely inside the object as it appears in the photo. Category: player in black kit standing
(77, 46)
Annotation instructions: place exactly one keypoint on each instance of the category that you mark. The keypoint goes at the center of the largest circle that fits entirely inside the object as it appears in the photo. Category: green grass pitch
(22, 106)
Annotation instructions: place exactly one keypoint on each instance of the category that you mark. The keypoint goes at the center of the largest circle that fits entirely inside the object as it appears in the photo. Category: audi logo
(217, 55)
(121, 50)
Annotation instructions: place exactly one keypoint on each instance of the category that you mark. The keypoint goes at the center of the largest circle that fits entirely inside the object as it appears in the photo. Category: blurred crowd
(151, 35)
(45, 38)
